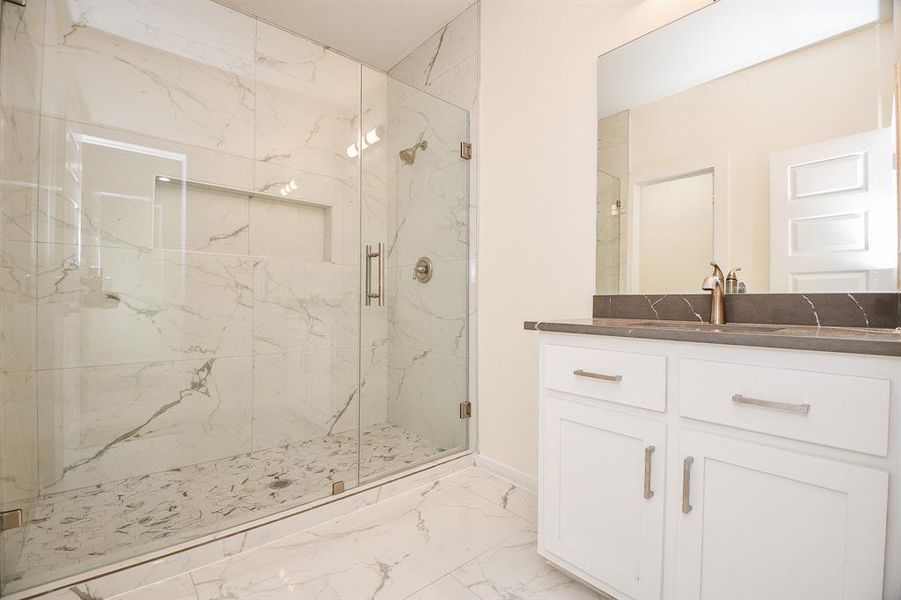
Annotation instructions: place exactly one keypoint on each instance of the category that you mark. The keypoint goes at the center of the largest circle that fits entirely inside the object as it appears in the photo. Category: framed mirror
(759, 135)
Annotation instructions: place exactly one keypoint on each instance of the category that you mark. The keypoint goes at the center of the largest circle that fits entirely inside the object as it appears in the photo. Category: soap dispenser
(732, 283)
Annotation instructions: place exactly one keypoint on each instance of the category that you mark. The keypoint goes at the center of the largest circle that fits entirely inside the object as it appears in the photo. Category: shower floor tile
(79, 529)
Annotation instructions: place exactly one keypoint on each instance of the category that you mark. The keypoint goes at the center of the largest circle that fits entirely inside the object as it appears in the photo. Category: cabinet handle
(686, 483)
(589, 374)
(648, 453)
(801, 409)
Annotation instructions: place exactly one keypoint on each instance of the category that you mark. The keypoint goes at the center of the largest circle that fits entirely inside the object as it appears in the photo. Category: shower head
(408, 156)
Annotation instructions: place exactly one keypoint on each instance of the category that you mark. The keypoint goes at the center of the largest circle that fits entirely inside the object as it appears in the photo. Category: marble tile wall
(612, 202)
(432, 207)
(150, 323)
(21, 57)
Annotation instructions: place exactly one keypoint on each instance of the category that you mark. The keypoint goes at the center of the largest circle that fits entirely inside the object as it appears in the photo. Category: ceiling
(377, 32)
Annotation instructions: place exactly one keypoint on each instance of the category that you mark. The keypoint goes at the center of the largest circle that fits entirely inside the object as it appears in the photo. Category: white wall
(538, 150)
(670, 258)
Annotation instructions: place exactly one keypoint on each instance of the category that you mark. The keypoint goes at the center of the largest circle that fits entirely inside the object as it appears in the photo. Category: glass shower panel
(20, 93)
(416, 216)
(179, 300)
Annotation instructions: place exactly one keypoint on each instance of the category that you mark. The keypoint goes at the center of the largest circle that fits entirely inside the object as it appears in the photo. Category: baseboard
(523, 480)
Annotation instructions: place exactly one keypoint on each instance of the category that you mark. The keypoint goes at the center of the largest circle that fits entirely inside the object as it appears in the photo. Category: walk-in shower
(184, 346)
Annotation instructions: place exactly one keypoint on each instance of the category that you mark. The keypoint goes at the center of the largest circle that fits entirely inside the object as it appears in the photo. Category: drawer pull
(686, 484)
(601, 376)
(648, 453)
(801, 409)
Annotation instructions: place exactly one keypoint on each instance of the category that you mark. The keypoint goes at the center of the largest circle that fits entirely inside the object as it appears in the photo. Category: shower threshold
(79, 531)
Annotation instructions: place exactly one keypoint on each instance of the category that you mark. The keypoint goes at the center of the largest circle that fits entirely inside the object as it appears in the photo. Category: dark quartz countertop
(850, 340)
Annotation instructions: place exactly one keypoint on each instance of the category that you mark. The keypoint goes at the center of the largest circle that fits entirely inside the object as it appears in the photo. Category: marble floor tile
(520, 502)
(177, 588)
(389, 550)
(93, 526)
(446, 588)
(447, 540)
(513, 569)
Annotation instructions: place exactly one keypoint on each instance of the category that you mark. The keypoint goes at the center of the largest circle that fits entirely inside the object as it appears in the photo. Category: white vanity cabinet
(697, 471)
(762, 522)
(604, 515)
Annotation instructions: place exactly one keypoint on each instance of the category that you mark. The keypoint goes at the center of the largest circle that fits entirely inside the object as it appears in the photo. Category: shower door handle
(380, 295)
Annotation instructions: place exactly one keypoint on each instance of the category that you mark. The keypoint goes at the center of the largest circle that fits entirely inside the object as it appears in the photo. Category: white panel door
(761, 522)
(834, 217)
(602, 495)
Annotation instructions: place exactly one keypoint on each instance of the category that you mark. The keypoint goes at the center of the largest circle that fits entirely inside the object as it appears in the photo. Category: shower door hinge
(465, 410)
(466, 150)
(17, 3)
(10, 519)
(337, 488)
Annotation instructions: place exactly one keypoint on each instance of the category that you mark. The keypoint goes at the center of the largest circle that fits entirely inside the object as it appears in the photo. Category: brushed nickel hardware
(422, 272)
(408, 155)
(11, 519)
(465, 150)
(601, 376)
(686, 484)
(648, 453)
(337, 488)
(801, 409)
(714, 284)
(465, 410)
(733, 285)
(370, 295)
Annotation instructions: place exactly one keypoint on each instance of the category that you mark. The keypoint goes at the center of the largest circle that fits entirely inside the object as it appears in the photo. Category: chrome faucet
(714, 284)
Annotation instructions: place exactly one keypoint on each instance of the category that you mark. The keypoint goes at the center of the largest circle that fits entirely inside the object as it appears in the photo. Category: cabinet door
(602, 496)
(760, 522)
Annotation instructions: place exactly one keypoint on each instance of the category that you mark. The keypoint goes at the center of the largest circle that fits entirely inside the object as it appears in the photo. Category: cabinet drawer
(839, 410)
(622, 377)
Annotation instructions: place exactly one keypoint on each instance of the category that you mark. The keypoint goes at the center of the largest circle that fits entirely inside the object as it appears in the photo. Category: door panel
(770, 523)
(596, 516)
(833, 218)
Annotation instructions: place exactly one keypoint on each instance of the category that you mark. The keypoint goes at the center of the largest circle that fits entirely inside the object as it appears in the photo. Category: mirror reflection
(760, 136)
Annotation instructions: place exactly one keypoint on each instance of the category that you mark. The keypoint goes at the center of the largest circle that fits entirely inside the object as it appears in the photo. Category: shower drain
(280, 483)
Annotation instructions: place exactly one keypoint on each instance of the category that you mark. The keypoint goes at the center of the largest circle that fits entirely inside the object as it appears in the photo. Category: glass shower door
(415, 329)
(20, 92)
(179, 292)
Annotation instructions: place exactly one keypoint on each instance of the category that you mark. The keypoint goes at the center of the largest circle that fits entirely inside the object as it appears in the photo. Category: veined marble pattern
(75, 530)
(447, 67)
(19, 144)
(425, 389)
(105, 424)
(101, 306)
(443, 65)
(301, 123)
(302, 306)
(21, 58)
(454, 539)
(18, 439)
(439, 198)
(430, 316)
(18, 306)
(304, 60)
(148, 75)
(428, 215)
